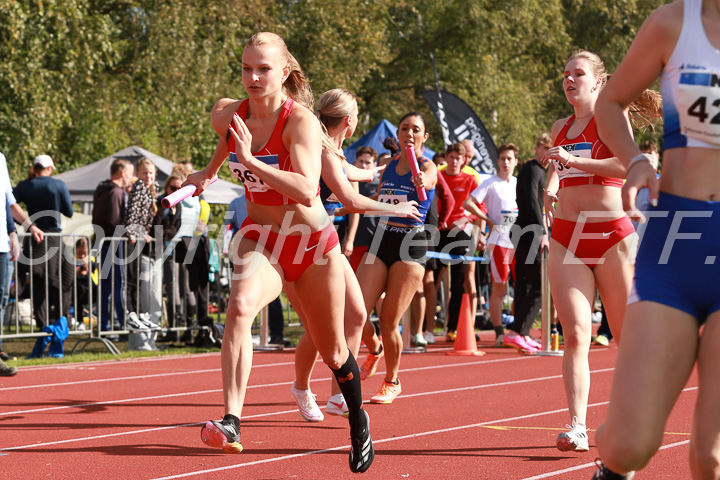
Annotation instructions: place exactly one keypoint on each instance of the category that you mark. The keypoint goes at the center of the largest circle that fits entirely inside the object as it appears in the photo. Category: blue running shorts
(678, 262)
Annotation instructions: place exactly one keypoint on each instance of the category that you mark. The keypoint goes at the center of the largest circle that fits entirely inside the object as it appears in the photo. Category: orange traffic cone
(465, 341)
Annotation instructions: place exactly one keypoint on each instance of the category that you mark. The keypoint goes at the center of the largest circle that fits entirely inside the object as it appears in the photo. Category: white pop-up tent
(82, 181)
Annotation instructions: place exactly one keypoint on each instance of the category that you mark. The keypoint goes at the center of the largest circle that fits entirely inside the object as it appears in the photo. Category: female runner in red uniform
(275, 142)
(593, 242)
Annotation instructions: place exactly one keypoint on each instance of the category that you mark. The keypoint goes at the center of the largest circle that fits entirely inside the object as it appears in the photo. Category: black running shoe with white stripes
(221, 434)
(604, 473)
(133, 323)
(362, 451)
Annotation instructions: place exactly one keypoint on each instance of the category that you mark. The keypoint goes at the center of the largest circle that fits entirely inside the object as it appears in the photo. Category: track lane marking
(593, 464)
(95, 437)
(90, 365)
(414, 435)
(278, 384)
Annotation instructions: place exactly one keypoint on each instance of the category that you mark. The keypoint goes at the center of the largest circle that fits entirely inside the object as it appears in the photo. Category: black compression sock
(232, 419)
(348, 379)
(499, 331)
(379, 350)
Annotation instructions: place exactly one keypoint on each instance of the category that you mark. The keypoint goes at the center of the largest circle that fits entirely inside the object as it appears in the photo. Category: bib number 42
(699, 109)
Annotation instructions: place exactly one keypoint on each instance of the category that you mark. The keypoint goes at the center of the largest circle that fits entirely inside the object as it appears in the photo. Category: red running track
(491, 417)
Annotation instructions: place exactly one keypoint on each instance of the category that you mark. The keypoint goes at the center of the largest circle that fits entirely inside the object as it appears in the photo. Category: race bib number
(392, 199)
(583, 150)
(248, 178)
(698, 104)
(509, 217)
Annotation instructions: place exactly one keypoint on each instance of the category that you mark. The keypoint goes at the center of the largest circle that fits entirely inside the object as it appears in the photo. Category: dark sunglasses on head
(172, 188)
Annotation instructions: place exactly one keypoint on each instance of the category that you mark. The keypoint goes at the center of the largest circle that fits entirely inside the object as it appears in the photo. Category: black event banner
(459, 122)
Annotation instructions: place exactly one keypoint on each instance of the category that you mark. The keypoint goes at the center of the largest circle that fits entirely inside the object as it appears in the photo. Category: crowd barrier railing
(48, 274)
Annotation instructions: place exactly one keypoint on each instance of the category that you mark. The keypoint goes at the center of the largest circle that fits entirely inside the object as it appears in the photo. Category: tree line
(82, 79)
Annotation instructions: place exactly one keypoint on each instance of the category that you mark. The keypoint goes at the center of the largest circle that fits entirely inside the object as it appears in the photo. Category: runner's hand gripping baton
(412, 160)
(181, 194)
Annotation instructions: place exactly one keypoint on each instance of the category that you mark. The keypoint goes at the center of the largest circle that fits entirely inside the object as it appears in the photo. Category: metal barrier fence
(49, 275)
(47, 285)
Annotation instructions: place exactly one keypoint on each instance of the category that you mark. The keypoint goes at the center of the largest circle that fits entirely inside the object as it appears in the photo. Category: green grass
(94, 351)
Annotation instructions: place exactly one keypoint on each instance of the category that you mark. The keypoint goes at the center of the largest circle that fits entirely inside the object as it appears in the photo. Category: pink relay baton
(412, 160)
(181, 194)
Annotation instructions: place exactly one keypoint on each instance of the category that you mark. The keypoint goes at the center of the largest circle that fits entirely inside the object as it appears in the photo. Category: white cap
(44, 161)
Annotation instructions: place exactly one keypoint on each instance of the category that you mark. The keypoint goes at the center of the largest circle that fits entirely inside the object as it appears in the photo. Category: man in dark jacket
(528, 252)
(109, 202)
(49, 271)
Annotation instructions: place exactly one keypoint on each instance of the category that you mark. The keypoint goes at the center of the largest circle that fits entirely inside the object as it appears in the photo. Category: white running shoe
(499, 341)
(305, 400)
(337, 406)
(418, 340)
(429, 337)
(576, 440)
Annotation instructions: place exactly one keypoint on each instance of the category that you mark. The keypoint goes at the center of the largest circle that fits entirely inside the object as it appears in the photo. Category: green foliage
(84, 78)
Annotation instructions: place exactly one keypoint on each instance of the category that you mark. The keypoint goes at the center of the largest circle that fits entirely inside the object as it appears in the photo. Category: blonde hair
(332, 107)
(296, 86)
(146, 162)
(643, 110)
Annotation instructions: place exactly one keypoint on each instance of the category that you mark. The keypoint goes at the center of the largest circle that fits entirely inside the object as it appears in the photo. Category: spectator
(85, 273)
(424, 304)
(456, 233)
(9, 251)
(532, 242)
(50, 280)
(144, 274)
(189, 251)
(109, 203)
(169, 220)
(498, 194)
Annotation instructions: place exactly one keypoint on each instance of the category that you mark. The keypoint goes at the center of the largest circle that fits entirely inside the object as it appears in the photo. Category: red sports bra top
(273, 153)
(585, 145)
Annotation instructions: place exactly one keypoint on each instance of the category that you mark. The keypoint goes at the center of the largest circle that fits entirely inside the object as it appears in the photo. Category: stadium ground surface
(492, 417)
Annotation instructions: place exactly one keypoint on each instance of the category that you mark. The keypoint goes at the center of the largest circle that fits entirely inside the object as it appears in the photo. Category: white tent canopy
(82, 181)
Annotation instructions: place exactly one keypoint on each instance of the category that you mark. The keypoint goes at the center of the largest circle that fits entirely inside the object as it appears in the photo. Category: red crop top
(273, 153)
(585, 145)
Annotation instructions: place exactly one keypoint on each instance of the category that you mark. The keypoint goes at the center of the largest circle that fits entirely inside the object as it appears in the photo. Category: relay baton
(412, 160)
(181, 194)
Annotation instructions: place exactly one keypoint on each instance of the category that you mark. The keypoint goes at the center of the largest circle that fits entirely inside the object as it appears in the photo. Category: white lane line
(266, 365)
(113, 379)
(405, 437)
(153, 375)
(438, 392)
(277, 384)
(133, 432)
(593, 464)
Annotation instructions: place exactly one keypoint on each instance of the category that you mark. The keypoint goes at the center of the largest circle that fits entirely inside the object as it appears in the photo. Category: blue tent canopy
(374, 139)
